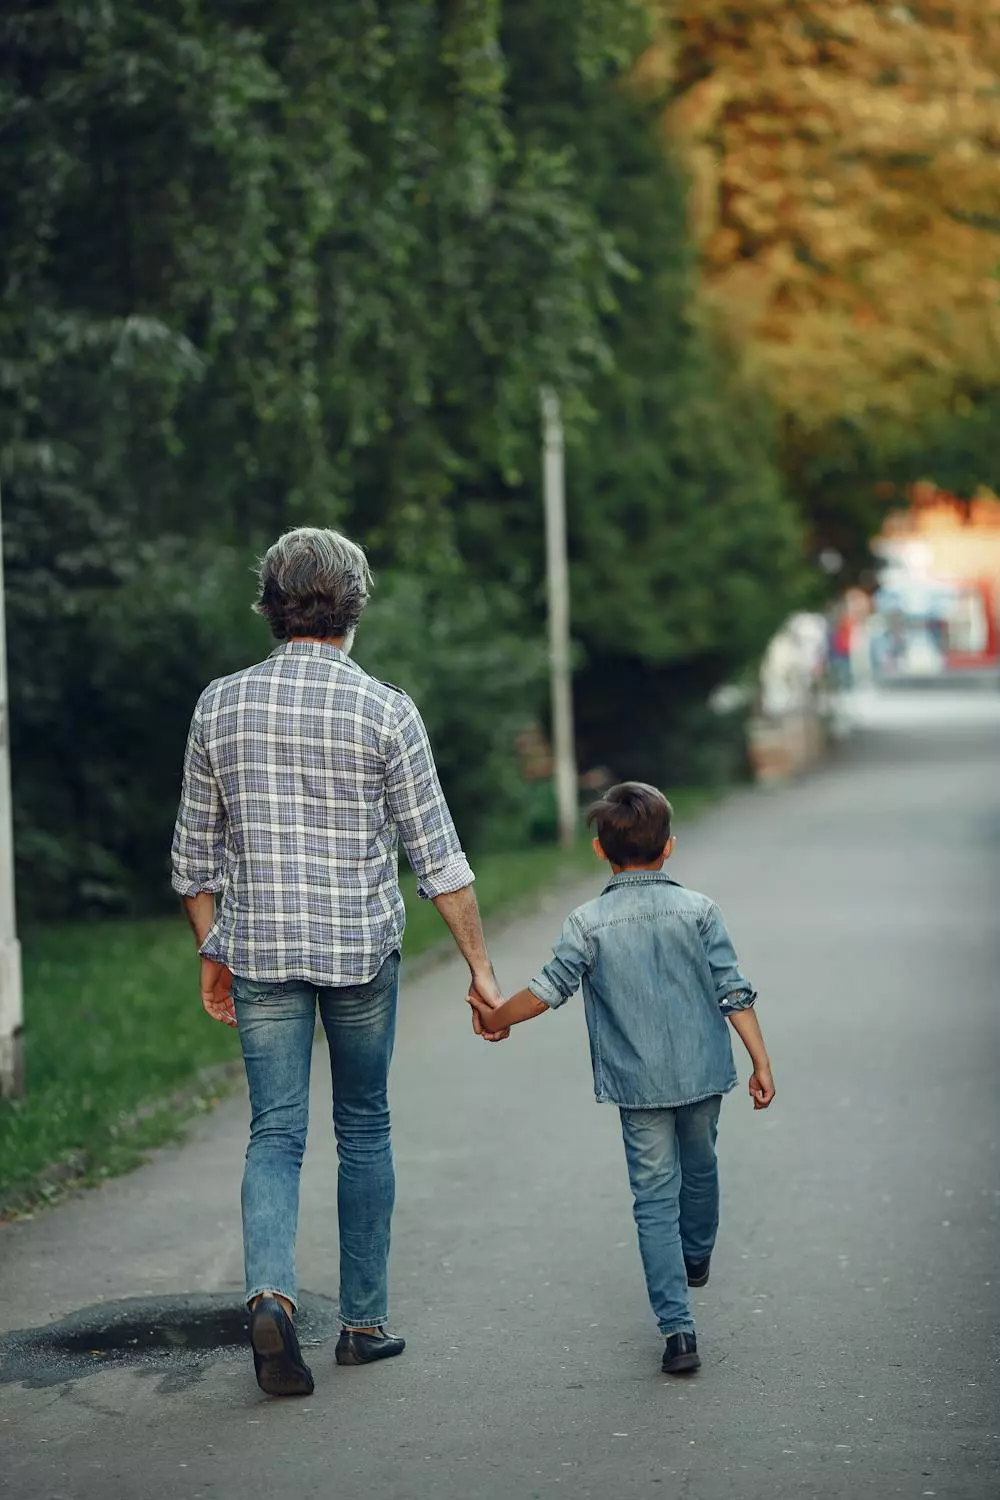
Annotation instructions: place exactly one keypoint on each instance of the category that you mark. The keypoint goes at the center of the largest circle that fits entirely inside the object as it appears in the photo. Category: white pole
(563, 748)
(11, 1054)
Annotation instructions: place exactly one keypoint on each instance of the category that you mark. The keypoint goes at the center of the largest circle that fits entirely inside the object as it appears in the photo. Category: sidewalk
(849, 1327)
(173, 1226)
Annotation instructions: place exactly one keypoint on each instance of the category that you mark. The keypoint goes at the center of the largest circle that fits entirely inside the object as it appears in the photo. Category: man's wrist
(200, 912)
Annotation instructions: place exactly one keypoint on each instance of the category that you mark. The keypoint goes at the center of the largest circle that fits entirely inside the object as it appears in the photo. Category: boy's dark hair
(632, 821)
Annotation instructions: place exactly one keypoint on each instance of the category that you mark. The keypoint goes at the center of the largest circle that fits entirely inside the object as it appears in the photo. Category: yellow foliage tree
(845, 166)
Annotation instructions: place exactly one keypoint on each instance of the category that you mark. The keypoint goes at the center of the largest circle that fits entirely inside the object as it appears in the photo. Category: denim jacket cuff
(547, 992)
(737, 1000)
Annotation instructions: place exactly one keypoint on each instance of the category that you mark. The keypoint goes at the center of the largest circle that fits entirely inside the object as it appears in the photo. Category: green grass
(118, 1047)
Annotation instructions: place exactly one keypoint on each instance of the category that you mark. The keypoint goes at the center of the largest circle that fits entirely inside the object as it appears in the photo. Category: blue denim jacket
(659, 977)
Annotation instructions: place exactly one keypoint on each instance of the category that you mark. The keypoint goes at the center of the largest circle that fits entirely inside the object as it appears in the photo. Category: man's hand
(484, 996)
(217, 991)
(461, 914)
(761, 1086)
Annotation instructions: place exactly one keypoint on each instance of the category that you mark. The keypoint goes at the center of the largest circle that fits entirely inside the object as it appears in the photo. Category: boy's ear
(598, 849)
(669, 847)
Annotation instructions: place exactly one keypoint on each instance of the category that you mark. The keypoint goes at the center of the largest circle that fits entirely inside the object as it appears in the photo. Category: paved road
(850, 1327)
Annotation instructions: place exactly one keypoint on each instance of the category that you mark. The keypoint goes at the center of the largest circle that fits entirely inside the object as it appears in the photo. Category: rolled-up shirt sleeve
(572, 957)
(418, 808)
(732, 988)
(199, 844)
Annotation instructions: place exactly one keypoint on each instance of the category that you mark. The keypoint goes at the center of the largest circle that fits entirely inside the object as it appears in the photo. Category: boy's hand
(744, 1022)
(761, 1086)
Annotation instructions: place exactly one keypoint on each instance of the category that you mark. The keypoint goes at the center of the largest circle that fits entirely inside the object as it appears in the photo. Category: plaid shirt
(300, 776)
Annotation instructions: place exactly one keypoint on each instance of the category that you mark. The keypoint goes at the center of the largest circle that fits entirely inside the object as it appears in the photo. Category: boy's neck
(656, 864)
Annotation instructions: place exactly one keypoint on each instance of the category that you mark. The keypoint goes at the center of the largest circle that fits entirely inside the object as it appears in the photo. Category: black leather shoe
(681, 1355)
(363, 1348)
(277, 1358)
(697, 1271)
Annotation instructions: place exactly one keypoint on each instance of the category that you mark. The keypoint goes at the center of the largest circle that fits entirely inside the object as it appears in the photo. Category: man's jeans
(675, 1185)
(277, 1024)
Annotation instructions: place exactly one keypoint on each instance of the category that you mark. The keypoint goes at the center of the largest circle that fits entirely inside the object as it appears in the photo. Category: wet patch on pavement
(176, 1337)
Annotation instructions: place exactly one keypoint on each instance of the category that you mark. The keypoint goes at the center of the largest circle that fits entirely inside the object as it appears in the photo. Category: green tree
(270, 264)
(686, 548)
(259, 264)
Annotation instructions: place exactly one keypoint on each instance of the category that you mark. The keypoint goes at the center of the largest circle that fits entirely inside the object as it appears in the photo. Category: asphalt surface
(849, 1330)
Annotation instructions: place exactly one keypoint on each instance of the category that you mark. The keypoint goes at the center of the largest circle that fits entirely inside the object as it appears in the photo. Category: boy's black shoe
(277, 1358)
(362, 1348)
(697, 1271)
(681, 1355)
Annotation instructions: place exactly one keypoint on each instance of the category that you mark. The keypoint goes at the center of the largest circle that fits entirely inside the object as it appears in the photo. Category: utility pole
(11, 1053)
(560, 666)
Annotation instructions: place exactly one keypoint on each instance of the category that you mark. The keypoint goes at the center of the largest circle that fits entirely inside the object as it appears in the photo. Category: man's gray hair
(313, 582)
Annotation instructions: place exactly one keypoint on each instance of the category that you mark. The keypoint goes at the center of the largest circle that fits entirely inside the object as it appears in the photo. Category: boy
(659, 976)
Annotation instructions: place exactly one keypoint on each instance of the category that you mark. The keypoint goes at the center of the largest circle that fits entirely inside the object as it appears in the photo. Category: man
(301, 774)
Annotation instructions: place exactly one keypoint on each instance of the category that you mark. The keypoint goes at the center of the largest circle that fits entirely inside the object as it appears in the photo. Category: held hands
(484, 997)
(217, 992)
(761, 1086)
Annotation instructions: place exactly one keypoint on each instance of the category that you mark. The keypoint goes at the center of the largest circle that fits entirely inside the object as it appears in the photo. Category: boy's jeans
(277, 1025)
(675, 1184)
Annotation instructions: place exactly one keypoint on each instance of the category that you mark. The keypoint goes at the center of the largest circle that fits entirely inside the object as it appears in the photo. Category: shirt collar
(639, 877)
(312, 648)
